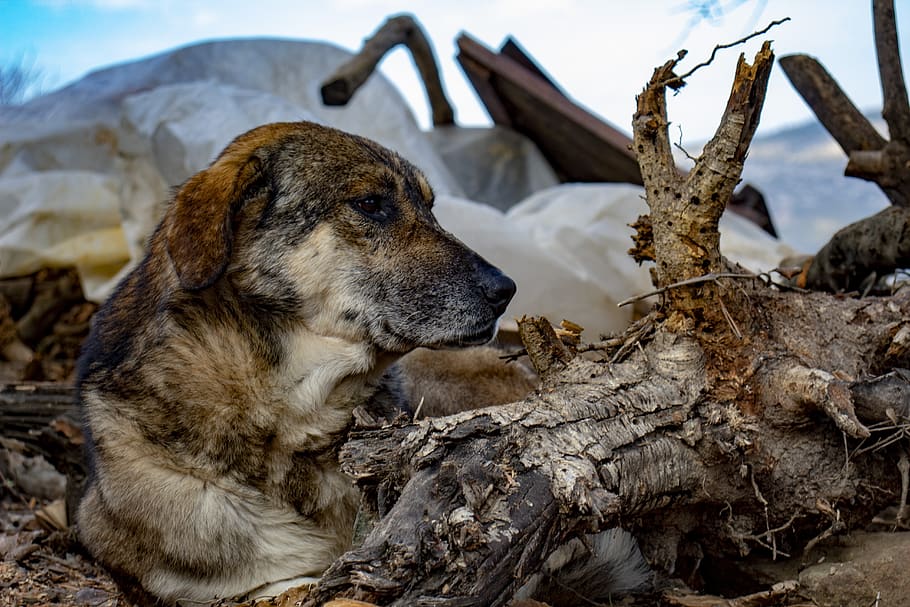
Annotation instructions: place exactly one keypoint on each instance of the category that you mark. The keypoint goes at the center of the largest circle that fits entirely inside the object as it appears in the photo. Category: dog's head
(309, 224)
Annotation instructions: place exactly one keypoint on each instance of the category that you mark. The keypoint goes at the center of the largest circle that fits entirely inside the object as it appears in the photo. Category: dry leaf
(53, 516)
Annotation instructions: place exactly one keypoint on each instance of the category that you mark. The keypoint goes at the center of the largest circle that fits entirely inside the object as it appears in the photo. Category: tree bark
(401, 29)
(718, 428)
(859, 254)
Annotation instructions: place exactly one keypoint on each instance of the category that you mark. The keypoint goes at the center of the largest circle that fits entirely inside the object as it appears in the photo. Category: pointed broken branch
(686, 242)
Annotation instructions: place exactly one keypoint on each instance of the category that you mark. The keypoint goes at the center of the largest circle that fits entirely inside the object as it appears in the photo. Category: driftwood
(401, 29)
(866, 250)
(725, 424)
(870, 156)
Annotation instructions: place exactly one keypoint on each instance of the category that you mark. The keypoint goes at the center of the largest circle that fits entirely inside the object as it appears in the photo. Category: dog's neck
(318, 366)
(326, 378)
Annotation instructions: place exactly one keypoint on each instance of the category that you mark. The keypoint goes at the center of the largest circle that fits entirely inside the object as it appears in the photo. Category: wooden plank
(513, 50)
(480, 79)
(580, 146)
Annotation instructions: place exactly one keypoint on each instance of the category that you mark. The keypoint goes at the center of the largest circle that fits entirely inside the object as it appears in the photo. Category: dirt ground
(41, 566)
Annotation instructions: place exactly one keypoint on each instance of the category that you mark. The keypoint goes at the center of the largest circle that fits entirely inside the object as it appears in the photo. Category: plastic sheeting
(566, 248)
(495, 165)
(85, 172)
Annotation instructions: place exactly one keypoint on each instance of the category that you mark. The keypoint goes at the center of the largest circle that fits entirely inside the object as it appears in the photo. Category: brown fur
(219, 379)
(443, 382)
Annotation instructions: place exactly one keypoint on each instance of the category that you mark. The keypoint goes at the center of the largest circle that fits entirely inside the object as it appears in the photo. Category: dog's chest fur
(295, 414)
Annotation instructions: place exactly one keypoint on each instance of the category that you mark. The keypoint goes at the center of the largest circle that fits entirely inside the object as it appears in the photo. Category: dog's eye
(373, 207)
(369, 206)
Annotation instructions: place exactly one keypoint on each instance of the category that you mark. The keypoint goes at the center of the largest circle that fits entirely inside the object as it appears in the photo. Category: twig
(713, 276)
(680, 147)
(679, 81)
(764, 504)
(836, 525)
(904, 466)
(603, 346)
(758, 538)
(900, 433)
(635, 335)
(513, 356)
(729, 319)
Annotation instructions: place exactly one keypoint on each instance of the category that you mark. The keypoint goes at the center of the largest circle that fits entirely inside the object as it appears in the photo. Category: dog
(218, 382)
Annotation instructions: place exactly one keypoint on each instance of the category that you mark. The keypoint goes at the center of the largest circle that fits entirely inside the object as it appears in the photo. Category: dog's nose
(499, 292)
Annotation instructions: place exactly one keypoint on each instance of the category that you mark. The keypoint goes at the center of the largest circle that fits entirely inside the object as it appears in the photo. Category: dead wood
(718, 429)
(852, 131)
(686, 240)
(896, 110)
(871, 157)
(401, 29)
(859, 254)
(45, 419)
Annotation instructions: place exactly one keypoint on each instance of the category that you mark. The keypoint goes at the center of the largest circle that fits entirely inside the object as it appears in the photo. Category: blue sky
(600, 52)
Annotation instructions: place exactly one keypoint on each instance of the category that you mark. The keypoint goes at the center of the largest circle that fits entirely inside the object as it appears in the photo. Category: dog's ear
(199, 224)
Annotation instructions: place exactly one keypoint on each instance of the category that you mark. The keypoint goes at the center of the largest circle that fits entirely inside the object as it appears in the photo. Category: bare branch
(685, 283)
(896, 110)
(401, 29)
(681, 79)
(848, 126)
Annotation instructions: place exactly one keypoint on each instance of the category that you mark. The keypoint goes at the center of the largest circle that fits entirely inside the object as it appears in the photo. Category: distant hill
(800, 171)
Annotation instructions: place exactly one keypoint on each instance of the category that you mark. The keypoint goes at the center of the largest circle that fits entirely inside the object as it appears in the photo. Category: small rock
(92, 596)
(34, 475)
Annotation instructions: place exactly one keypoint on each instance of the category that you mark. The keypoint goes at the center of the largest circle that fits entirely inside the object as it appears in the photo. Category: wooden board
(517, 94)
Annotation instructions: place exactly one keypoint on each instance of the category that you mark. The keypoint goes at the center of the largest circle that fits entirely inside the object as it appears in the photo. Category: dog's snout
(498, 291)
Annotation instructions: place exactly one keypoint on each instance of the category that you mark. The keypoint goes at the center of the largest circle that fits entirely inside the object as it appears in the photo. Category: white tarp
(85, 171)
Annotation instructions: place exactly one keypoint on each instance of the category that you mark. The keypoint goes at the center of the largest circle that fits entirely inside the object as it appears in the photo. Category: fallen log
(864, 251)
(717, 429)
